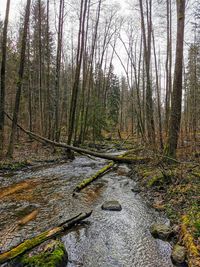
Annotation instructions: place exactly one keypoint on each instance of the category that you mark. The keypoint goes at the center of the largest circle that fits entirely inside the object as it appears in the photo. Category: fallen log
(99, 173)
(89, 180)
(81, 150)
(37, 240)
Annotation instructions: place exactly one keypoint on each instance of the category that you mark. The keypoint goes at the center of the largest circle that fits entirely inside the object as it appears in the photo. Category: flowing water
(106, 239)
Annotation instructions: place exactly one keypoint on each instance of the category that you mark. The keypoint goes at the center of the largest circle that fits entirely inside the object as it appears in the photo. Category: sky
(16, 7)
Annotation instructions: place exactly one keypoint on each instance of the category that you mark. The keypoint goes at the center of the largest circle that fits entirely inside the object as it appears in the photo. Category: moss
(155, 180)
(54, 255)
(146, 173)
(13, 166)
(188, 238)
(25, 246)
(197, 174)
(171, 213)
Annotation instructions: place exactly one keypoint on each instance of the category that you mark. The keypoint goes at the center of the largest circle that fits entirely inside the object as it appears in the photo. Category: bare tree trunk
(40, 66)
(168, 66)
(3, 76)
(58, 65)
(48, 78)
(81, 37)
(147, 58)
(175, 116)
(29, 88)
(158, 94)
(20, 79)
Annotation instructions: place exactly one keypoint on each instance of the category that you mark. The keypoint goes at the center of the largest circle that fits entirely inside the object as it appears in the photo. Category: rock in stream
(112, 205)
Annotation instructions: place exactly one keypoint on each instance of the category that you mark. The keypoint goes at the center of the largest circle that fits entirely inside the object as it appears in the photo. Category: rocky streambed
(117, 237)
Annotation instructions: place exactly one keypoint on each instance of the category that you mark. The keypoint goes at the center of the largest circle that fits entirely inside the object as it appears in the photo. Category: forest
(100, 133)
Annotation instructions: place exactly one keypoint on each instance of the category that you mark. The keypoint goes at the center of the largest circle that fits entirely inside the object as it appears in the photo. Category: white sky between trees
(17, 7)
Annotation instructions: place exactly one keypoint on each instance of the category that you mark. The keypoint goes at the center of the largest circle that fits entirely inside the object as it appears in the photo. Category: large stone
(178, 254)
(161, 231)
(112, 205)
(123, 170)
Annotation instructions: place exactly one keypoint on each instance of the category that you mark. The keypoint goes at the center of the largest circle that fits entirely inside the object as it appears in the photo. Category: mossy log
(37, 240)
(53, 254)
(82, 150)
(188, 240)
(101, 172)
(87, 181)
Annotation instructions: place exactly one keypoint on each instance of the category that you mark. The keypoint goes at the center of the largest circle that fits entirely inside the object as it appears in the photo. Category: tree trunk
(175, 116)
(147, 58)
(3, 76)
(58, 65)
(20, 79)
(119, 159)
(81, 37)
(158, 95)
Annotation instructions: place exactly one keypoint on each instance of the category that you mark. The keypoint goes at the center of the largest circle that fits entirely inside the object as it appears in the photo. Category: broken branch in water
(37, 240)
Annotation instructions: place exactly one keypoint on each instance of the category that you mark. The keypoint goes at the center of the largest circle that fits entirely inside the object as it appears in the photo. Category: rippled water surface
(106, 239)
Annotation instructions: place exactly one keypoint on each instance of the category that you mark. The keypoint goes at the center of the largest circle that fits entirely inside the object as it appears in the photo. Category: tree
(175, 115)
(168, 64)
(79, 57)
(113, 100)
(58, 66)
(147, 60)
(20, 79)
(3, 75)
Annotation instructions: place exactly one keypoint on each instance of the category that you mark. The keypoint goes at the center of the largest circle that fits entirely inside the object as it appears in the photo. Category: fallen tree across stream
(81, 150)
(89, 180)
(37, 240)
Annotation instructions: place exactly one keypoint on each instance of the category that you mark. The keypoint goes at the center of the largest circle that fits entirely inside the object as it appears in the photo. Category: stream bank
(115, 238)
(173, 189)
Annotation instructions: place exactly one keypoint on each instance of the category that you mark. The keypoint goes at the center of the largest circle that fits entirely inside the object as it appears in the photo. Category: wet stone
(112, 205)
(136, 190)
(178, 254)
(161, 231)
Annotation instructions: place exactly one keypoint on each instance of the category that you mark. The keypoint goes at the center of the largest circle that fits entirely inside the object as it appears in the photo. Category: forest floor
(171, 188)
(30, 153)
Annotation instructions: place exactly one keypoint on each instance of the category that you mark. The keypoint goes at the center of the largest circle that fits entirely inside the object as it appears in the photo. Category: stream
(107, 238)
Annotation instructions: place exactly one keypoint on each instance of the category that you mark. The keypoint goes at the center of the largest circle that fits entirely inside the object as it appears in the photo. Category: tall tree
(158, 94)
(79, 57)
(20, 79)
(147, 60)
(3, 75)
(58, 65)
(168, 64)
(175, 115)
